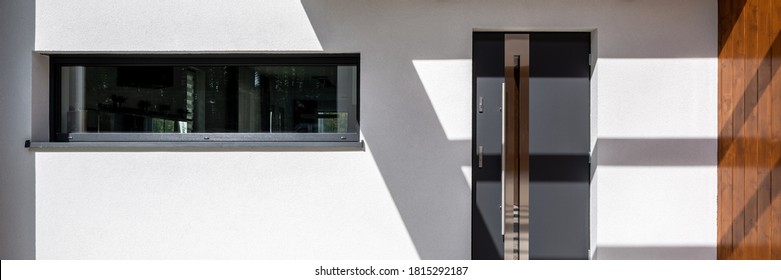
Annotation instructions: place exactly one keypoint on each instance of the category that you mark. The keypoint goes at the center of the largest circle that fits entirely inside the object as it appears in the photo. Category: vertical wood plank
(750, 130)
(775, 176)
(726, 158)
(764, 42)
(749, 172)
(738, 201)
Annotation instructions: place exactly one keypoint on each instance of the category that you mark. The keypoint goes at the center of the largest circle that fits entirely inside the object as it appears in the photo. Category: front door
(531, 142)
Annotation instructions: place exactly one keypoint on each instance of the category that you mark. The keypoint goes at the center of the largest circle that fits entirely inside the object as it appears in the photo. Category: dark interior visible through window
(205, 98)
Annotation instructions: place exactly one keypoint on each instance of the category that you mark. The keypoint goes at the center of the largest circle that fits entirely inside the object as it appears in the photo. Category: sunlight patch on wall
(216, 205)
(678, 101)
(467, 170)
(173, 26)
(448, 84)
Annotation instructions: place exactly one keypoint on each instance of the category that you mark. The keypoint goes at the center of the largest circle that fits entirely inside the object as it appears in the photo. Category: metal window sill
(197, 146)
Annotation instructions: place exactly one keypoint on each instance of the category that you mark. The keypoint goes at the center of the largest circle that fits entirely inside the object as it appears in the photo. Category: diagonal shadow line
(726, 143)
(760, 81)
(727, 238)
(423, 172)
(489, 250)
(727, 6)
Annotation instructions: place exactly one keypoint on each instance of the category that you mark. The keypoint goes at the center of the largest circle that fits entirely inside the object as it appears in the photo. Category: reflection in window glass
(209, 99)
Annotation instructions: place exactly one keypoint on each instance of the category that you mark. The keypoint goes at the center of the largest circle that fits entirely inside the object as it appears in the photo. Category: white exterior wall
(408, 194)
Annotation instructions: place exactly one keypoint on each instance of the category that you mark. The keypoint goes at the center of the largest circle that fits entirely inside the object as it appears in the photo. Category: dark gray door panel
(559, 142)
(488, 187)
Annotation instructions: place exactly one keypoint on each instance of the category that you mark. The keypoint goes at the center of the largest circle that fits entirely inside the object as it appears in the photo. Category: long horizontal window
(192, 98)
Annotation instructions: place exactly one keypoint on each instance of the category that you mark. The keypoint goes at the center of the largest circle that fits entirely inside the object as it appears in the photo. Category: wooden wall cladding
(749, 169)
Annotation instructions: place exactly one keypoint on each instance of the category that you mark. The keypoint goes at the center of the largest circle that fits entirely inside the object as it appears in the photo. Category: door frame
(508, 221)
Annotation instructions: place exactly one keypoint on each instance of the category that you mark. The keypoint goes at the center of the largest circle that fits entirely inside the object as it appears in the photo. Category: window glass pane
(209, 99)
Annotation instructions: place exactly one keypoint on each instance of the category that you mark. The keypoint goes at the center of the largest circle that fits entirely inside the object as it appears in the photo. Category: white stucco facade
(408, 195)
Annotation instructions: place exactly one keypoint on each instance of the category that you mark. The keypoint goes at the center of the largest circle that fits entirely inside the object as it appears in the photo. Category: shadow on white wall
(448, 84)
(417, 124)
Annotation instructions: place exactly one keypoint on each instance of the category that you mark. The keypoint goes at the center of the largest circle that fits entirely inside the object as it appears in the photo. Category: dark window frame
(57, 61)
